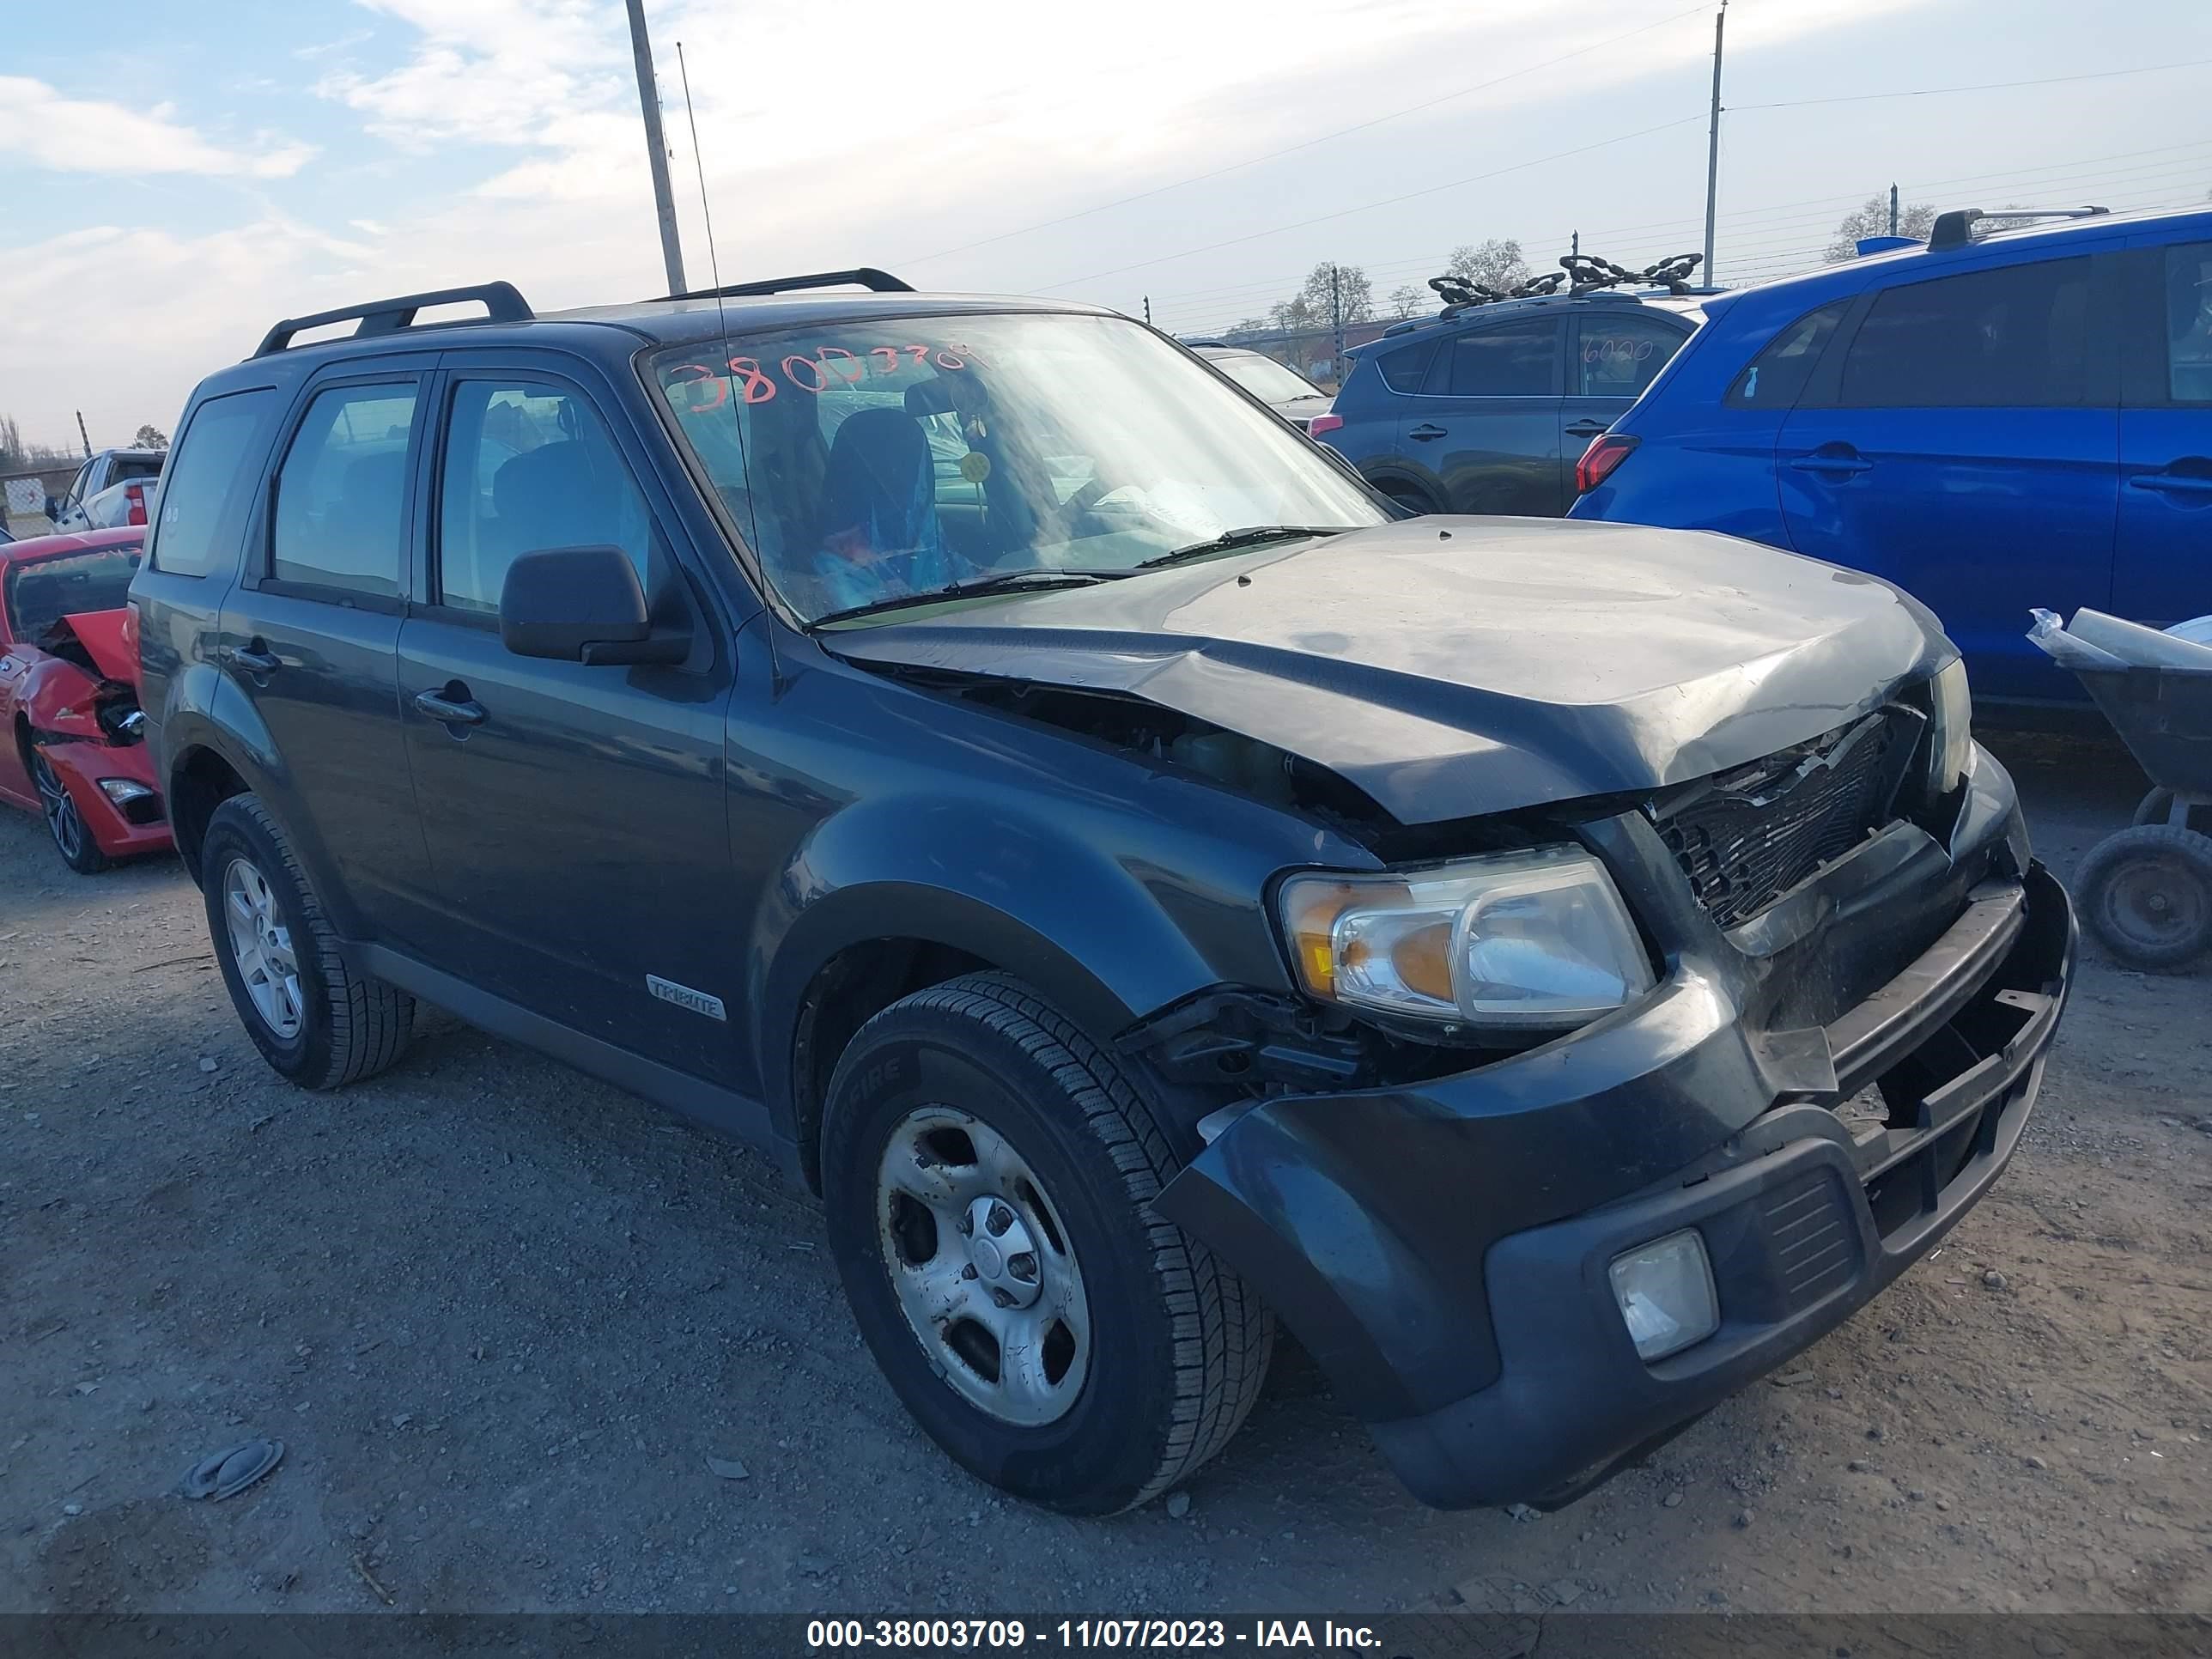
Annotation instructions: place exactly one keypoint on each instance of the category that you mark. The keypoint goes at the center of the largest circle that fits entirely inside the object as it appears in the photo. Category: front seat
(880, 534)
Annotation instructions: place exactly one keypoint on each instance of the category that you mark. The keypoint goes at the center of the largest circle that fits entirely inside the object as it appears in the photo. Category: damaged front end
(82, 713)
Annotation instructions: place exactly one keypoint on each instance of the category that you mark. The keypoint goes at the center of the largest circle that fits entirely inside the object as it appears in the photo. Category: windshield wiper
(1014, 582)
(1251, 536)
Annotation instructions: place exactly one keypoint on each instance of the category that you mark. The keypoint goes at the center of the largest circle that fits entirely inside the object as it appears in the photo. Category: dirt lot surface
(502, 1316)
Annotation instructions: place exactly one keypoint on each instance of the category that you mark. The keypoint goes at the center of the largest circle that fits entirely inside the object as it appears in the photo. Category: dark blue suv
(2022, 419)
(1484, 408)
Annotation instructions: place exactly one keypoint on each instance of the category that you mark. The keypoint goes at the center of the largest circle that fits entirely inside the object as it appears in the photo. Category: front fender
(56, 697)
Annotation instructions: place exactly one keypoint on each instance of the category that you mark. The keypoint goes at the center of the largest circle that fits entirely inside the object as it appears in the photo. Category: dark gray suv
(1487, 409)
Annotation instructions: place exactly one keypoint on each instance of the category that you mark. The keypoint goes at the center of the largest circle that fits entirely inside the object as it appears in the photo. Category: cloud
(80, 135)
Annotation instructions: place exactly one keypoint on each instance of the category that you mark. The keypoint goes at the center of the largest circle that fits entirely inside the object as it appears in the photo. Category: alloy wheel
(261, 946)
(63, 820)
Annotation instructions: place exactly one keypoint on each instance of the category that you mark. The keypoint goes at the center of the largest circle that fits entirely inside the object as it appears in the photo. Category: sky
(179, 177)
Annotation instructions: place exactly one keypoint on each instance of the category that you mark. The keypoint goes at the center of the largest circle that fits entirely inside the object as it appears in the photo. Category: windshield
(1265, 379)
(870, 461)
(41, 593)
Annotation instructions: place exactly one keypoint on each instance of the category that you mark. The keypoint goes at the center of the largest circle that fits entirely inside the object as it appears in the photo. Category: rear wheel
(2146, 893)
(988, 1174)
(72, 834)
(315, 1019)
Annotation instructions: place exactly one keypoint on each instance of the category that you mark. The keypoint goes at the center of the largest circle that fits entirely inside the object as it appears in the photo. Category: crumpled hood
(1451, 667)
(110, 638)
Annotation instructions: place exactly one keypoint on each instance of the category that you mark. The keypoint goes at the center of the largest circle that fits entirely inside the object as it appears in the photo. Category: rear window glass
(1776, 378)
(1401, 370)
(131, 467)
(2017, 337)
(193, 534)
(41, 593)
(343, 491)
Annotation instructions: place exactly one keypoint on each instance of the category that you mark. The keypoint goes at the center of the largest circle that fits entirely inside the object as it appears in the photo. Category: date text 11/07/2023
(933, 1634)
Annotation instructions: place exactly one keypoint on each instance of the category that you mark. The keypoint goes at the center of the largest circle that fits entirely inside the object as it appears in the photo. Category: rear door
(1483, 430)
(575, 814)
(2162, 574)
(1964, 443)
(311, 633)
(1613, 354)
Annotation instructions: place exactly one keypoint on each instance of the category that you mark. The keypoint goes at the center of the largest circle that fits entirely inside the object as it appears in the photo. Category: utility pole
(83, 437)
(1148, 311)
(1892, 209)
(1336, 316)
(656, 148)
(1575, 246)
(1713, 141)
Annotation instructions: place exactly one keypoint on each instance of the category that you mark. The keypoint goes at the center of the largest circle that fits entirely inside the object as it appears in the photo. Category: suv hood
(1453, 667)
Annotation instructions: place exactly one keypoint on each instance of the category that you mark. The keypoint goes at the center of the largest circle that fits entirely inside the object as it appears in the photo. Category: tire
(2157, 806)
(975, 1092)
(71, 834)
(343, 1026)
(2146, 893)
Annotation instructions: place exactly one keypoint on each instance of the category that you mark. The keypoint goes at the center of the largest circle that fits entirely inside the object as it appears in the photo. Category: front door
(1484, 428)
(575, 815)
(1966, 449)
(2163, 572)
(310, 636)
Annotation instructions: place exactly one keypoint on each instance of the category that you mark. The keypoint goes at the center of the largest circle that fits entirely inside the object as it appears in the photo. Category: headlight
(1950, 727)
(1536, 940)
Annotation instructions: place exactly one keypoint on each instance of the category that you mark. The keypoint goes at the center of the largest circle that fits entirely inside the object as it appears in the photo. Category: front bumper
(117, 832)
(1441, 1247)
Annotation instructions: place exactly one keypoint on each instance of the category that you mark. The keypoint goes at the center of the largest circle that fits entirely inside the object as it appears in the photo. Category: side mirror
(582, 604)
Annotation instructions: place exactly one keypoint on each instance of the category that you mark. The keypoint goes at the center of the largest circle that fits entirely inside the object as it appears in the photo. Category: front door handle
(451, 710)
(2174, 483)
(1424, 433)
(253, 658)
(1585, 428)
(1838, 460)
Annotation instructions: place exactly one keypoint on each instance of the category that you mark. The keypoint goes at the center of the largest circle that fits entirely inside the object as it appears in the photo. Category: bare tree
(1334, 293)
(1497, 264)
(16, 455)
(1871, 218)
(150, 437)
(1405, 301)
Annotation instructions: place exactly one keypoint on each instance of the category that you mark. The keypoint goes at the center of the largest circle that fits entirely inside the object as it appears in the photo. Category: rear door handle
(1585, 428)
(2174, 483)
(1839, 467)
(463, 710)
(1424, 432)
(253, 658)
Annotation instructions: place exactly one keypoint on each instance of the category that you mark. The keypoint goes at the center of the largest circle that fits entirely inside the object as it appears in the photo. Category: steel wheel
(261, 945)
(63, 820)
(982, 1267)
(2147, 894)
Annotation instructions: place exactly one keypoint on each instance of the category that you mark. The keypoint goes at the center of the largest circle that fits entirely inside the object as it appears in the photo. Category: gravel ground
(504, 1316)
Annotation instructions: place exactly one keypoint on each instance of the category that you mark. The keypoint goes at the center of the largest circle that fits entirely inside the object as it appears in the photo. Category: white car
(102, 471)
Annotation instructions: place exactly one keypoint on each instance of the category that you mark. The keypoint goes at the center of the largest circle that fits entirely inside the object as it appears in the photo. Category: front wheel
(988, 1173)
(72, 834)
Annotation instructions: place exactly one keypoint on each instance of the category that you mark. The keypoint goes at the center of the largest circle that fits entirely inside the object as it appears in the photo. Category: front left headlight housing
(1536, 940)
(1950, 728)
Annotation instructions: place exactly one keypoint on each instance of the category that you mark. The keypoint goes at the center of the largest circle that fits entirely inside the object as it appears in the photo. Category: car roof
(1690, 305)
(33, 548)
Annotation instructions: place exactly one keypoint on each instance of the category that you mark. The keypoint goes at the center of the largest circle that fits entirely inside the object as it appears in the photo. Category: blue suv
(2019, 419)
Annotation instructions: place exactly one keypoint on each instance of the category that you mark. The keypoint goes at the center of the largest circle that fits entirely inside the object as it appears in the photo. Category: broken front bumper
(1442, 1248)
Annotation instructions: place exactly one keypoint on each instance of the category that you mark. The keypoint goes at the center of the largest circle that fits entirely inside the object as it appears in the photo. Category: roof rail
(866, 276)
(501, 301)
(1956, 227)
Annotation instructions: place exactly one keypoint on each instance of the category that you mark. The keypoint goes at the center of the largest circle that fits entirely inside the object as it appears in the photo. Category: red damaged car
(70, 747)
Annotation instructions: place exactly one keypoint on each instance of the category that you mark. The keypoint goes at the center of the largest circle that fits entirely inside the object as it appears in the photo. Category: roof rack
(1956, 227)
(501, 301)
(867, 277)
(1578, 273)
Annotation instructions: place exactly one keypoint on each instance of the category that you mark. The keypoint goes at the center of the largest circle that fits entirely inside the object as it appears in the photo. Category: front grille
(1745, 838)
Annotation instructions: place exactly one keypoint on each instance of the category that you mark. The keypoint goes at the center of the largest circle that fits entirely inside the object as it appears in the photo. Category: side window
(1401, 370)
(342, 491)
(1619, 355)
(76, 491)
(1776, 378)
(529, 465)
(2189, 323)
(1511, 360)
(202, 475)
(2017, 337)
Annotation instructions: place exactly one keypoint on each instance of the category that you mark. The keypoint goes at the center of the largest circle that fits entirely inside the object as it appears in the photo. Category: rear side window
(202, 477)
(1619, 355)
(2189, 323)
(342, 493)
(1401, 370)
(529, 466)
(1776, 378)
(2017, 337)
(1512, 360)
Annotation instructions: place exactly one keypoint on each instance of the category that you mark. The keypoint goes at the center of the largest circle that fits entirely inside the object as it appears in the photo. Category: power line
(1306, 143)
(1388, 201)
(1984, 85)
